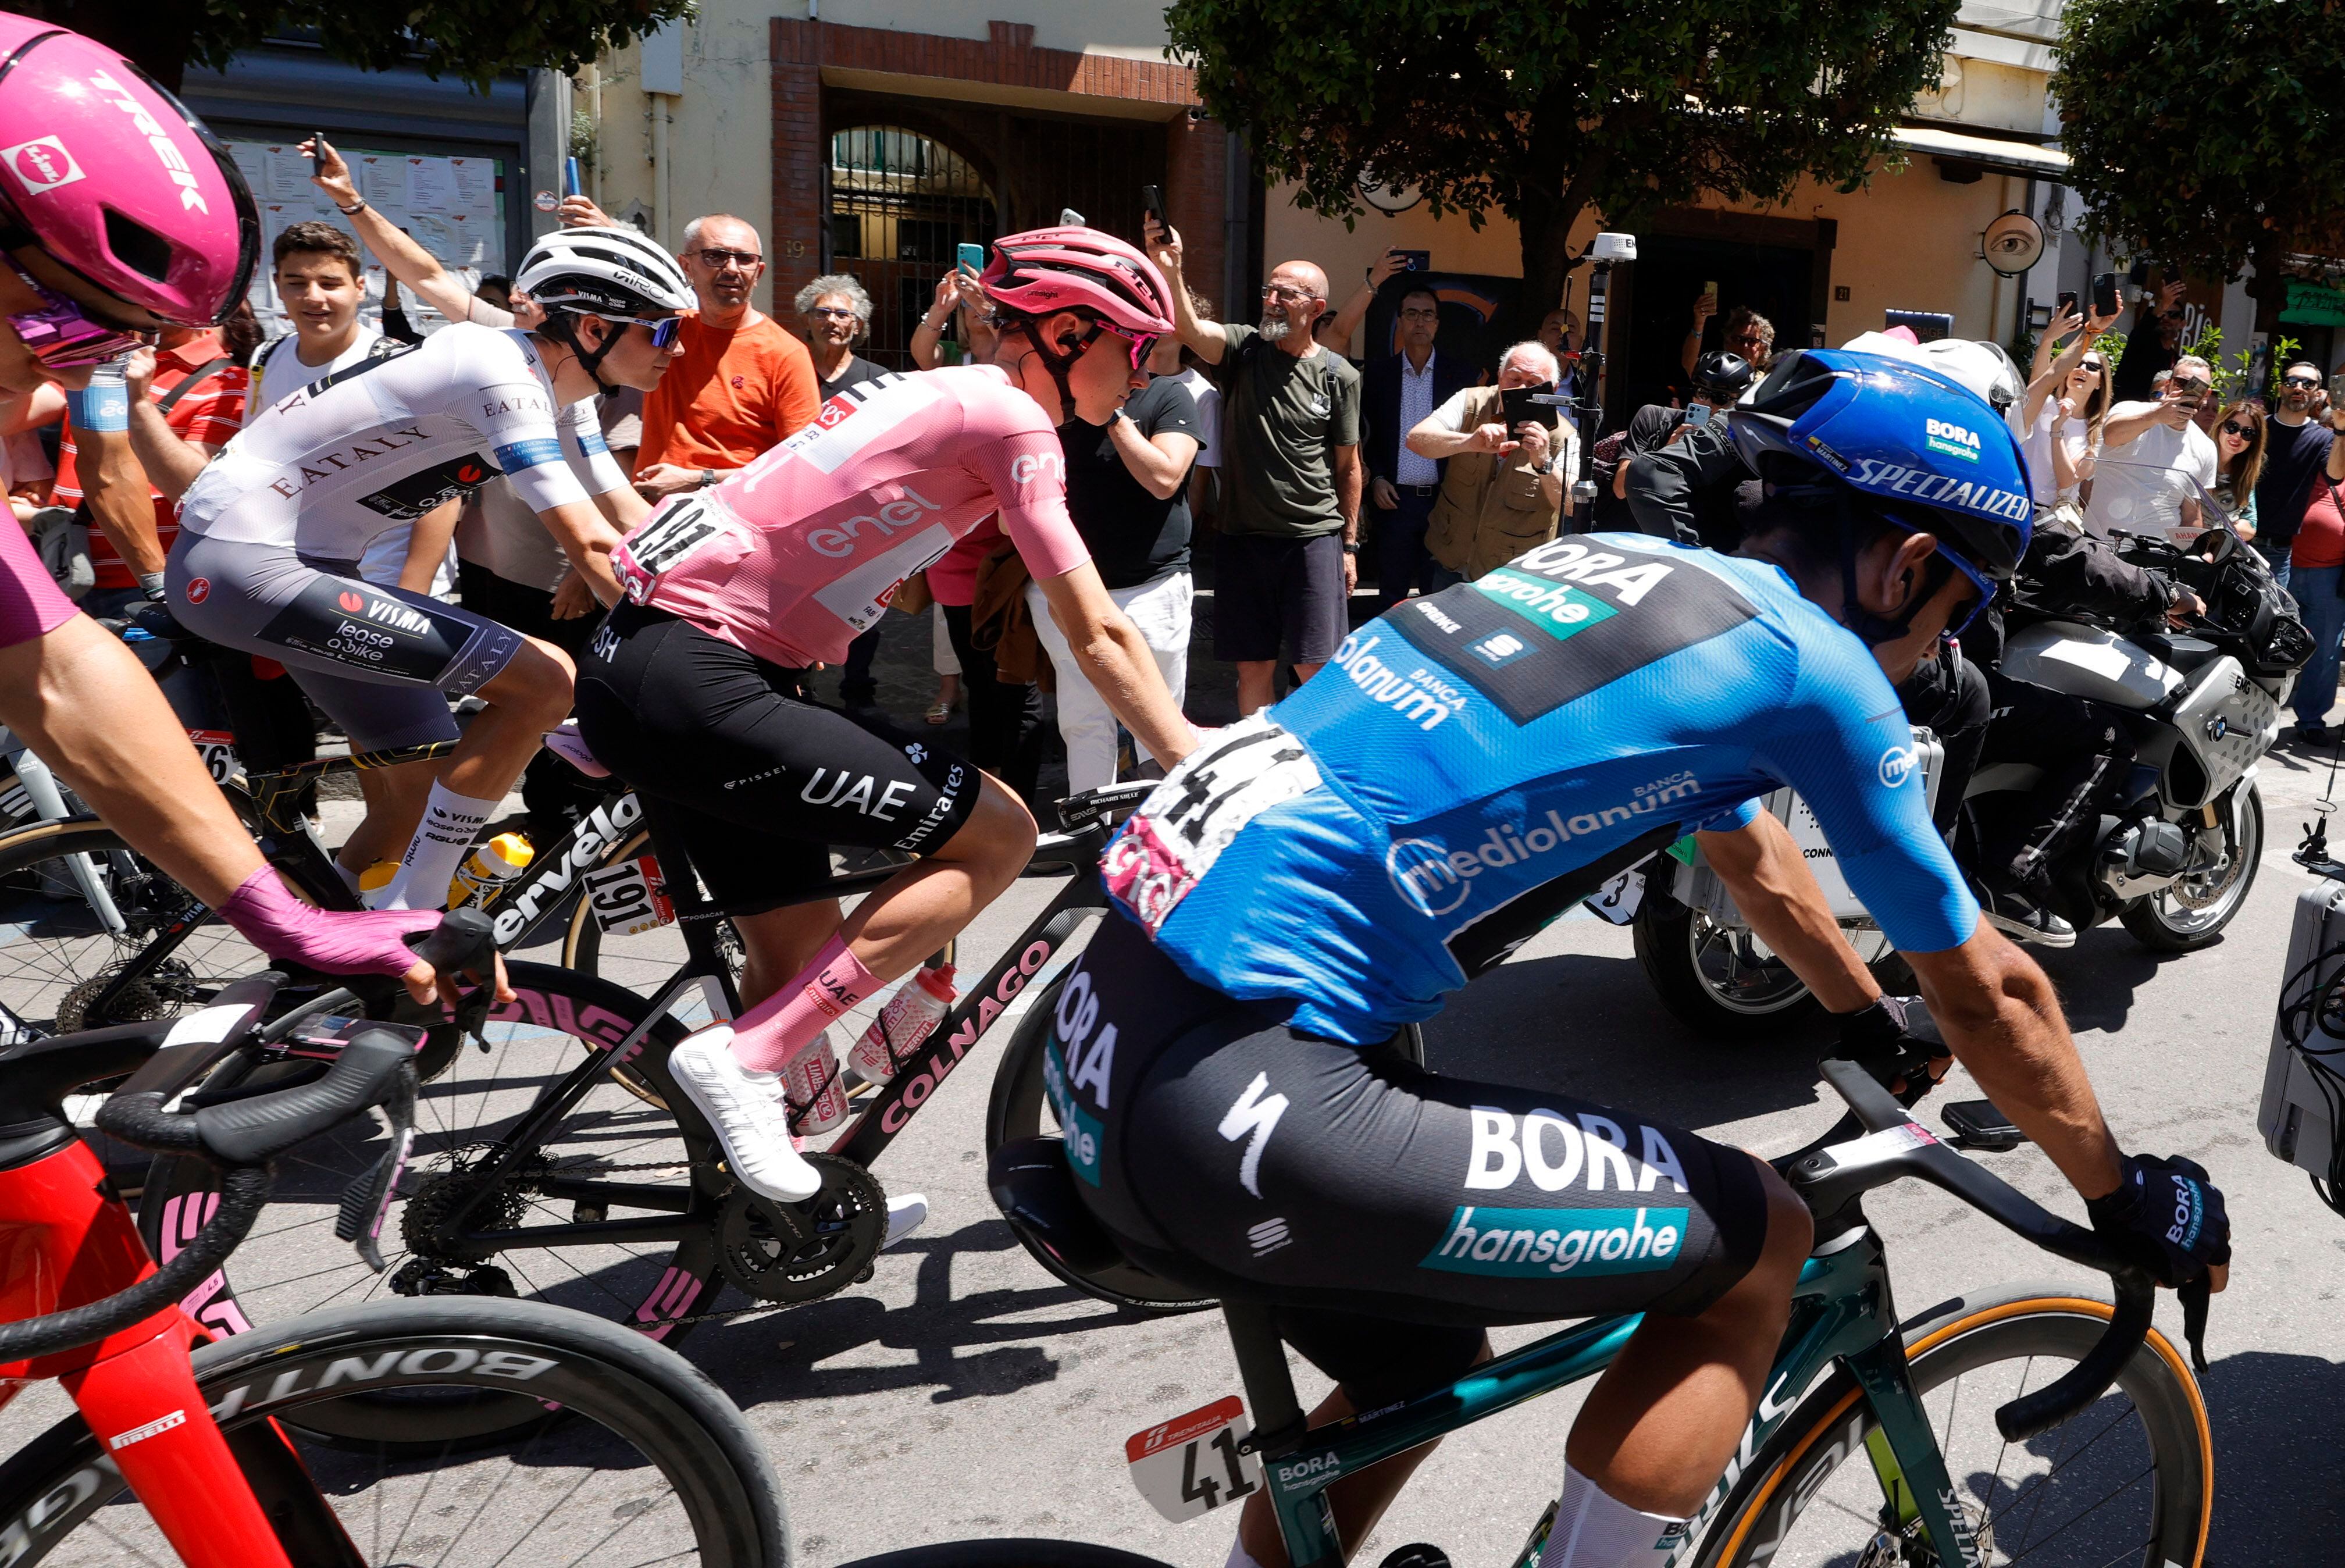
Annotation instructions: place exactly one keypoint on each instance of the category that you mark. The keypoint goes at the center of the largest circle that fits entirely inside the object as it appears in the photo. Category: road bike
(1946, 1441)
(458, 1433)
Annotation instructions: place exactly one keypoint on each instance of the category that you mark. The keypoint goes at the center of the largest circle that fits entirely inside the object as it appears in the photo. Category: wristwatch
(707, 477)
(1351, 546)
(1544, 469)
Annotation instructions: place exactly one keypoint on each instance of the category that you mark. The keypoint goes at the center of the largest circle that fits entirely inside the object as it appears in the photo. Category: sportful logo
(1420, 696)
(167, 151)
(42, 164)
(1942, 490)
(1433, 877)
(1953, 439)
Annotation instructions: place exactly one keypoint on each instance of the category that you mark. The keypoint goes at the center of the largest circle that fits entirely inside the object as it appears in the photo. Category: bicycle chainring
(423, 1223)
(798, 1252)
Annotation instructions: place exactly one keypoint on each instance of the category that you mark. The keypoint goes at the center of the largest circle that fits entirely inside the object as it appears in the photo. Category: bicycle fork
(213, 1496)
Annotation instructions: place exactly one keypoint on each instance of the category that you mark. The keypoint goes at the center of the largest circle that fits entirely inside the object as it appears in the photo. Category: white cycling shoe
(747, 1112)
(905, 1215)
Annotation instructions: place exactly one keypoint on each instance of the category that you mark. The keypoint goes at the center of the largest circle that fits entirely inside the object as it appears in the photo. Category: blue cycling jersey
(1473, 745)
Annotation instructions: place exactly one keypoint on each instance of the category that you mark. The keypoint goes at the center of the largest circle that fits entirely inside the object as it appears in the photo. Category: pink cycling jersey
(31, 606)
(800, 551)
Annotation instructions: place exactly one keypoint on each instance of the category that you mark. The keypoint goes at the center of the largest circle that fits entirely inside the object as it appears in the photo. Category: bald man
(1287, 557)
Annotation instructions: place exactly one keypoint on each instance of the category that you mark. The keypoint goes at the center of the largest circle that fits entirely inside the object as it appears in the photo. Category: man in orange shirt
(740, 382)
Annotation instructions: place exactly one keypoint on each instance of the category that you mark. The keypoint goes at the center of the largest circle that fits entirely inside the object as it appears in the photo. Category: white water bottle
(903, 1023)
(813, 1086)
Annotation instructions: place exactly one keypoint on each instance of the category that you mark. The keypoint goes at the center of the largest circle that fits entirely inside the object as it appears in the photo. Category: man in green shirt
(1288, 556)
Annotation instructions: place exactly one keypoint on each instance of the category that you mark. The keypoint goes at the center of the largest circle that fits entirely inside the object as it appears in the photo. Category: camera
(1612, 247)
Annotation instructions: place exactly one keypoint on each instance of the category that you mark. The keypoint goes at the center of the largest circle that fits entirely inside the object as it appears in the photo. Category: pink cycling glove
(340, 941)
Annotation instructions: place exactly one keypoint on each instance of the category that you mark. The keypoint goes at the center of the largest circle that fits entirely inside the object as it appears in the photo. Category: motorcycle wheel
(2192, 914)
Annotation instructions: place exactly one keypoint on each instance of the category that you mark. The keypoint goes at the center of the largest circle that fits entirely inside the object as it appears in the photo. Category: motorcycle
(2173, 855)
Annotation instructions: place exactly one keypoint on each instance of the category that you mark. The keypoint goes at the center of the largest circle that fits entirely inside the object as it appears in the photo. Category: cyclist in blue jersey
(1308, 880)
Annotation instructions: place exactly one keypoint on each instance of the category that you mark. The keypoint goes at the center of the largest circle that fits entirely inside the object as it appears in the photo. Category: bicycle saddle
(570, 747)
(1035, 1189)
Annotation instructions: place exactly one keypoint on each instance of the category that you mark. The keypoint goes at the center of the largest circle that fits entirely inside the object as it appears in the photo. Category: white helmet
(614, 272)
(1985, 368)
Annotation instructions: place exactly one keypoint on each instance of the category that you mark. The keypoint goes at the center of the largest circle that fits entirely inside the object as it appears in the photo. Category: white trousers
(1160, 611)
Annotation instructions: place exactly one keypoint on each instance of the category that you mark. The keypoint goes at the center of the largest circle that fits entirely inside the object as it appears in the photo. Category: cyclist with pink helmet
(120, 214)
(693, 692)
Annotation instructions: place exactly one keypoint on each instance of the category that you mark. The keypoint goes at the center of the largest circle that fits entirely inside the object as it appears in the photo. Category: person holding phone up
(2155, 461)
(1507, 462)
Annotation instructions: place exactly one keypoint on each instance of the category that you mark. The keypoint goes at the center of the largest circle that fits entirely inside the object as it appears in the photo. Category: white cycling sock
(350, 878)
(449, 823)
(1594, 1529)
(1239, 1557)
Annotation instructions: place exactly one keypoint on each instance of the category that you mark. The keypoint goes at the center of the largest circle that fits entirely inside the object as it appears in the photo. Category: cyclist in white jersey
(272, 529)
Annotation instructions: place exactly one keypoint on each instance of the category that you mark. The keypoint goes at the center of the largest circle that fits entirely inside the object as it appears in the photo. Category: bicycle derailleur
(798, 1252)
(439, 1262)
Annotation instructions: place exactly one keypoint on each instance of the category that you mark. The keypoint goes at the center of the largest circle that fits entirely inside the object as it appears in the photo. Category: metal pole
(1589, 411)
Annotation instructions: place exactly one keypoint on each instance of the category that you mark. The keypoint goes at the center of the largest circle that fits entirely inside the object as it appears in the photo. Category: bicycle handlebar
(1895, 1148)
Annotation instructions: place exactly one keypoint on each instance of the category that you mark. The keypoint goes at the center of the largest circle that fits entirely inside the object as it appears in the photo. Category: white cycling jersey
(328, 467)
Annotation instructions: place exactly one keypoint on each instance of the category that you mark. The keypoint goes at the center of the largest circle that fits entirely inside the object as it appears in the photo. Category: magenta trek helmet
(106, 175)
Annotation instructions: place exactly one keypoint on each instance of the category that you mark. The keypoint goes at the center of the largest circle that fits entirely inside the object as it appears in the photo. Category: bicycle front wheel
(2128, 1480)
(631, 1456)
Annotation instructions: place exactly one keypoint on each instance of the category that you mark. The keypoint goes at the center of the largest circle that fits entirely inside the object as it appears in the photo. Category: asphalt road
(965, 1393)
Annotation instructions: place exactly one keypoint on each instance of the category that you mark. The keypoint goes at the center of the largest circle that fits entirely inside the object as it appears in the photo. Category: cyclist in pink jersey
(692, 691)
(104, 235)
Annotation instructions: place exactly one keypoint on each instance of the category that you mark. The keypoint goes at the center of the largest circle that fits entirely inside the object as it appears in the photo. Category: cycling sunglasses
(63, 336)
(1142, 344)
(664, 329)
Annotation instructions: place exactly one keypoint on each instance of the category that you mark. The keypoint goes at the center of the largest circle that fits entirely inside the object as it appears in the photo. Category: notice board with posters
(454, 206)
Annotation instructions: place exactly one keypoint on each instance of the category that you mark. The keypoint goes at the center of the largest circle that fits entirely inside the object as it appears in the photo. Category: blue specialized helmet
(1924, 451)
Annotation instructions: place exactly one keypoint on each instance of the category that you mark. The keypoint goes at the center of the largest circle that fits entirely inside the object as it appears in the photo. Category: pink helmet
(1047, 270)
(109, 177)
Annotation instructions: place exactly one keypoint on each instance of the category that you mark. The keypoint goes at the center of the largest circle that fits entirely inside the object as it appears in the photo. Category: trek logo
(838, 539)
(605, 827)
(328, 464)
(907, 1089)
(1592, 1146)
(1435, 879)
(1413, 696)
(409, 498)
(42, 164)
(1897, 766)
(1941, 490)
(1534, 1243)
(167, 151)
(1953, 439)
(1026, 467)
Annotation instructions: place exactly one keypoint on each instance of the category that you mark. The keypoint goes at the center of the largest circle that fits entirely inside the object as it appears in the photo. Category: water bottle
(375, 882)
(501, 858)
(903, 1023)
(815, 1088)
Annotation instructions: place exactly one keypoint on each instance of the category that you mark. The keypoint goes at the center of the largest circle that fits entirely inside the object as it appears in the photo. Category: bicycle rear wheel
(63, 969)
(2128, 1480)
(637, 1168)
(631, 1455)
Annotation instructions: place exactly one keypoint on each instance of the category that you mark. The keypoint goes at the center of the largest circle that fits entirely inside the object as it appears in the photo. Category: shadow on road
(978, 1344)
(2097, 978)
(2278, 1449)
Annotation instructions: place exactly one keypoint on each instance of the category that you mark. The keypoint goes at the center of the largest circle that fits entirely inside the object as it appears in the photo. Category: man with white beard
(1288, 556)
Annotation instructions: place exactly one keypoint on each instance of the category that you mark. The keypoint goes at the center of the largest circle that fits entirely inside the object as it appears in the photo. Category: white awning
(1996, 153)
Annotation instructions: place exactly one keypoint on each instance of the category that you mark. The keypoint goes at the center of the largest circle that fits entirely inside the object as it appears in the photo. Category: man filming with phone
(1507, 461)
(2155, 460)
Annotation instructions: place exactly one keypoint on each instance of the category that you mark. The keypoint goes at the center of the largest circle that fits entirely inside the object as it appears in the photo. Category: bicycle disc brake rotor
(804, 1251)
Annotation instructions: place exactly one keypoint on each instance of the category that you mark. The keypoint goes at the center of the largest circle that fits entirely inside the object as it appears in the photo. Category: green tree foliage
(1548, 110)
(2205, 133)
(473, 40)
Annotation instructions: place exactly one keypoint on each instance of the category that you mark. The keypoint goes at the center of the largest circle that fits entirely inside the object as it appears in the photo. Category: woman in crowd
(2067, 404)
(2239, 452)
(837, 313)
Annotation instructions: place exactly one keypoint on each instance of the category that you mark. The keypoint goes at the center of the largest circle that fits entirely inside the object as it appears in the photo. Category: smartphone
(316, 149)
(1697, 414)
(970, 259)
(1521, 405)
(2138, 274)
(1978, 1125)
(1152, 202)
(2067, 303)
(2105, 294)
(569, 183)
(1710, 289)
(1417, 261)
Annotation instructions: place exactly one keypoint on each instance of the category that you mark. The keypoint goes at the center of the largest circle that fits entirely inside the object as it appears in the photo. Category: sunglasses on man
(664, 330)
(717, 260)
(63, 336)
(1141, 343)
(2309, 383)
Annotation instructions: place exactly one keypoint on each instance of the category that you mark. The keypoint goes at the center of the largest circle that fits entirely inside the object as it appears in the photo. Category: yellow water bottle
(375, 882)
(501, 858)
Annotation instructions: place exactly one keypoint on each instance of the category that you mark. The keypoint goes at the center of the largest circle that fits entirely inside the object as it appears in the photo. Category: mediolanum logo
(1953, 439)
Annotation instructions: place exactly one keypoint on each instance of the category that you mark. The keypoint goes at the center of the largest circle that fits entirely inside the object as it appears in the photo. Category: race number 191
(1191, 1464)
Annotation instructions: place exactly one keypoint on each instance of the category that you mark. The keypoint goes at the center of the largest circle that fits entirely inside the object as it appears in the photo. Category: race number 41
(1191, 1464)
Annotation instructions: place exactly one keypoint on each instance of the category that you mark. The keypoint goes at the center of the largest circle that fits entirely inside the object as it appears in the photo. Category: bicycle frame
(1841, 1314)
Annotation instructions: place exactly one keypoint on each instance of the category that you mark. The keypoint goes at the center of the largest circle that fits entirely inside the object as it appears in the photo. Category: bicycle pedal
(1417, 1556)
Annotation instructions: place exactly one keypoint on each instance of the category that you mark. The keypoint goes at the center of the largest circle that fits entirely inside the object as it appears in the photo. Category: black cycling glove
(1895, 1040)
(2168, 1217)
